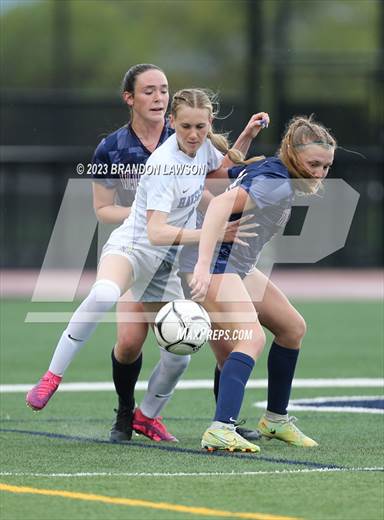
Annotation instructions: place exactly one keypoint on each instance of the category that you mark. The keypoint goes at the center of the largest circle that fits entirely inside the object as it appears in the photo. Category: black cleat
(249, 435)
(122, 427)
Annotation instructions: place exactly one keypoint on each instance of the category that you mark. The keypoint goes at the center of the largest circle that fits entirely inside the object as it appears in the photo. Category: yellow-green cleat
(285, 431)
(226, 439)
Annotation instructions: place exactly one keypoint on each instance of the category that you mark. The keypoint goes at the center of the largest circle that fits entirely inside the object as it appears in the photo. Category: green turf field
(58, 463)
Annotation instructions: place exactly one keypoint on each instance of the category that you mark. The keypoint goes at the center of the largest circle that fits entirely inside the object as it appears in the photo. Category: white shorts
(155, 279)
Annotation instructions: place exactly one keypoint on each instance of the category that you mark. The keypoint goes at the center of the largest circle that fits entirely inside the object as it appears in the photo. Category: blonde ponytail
(200, 98)
(302, 131)
(220, 141)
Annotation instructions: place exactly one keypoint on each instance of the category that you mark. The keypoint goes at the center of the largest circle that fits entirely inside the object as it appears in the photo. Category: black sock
(216, 382)
(125, 378)
(281, 369)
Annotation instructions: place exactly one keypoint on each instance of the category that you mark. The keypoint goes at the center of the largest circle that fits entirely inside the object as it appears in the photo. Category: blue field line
(244, 456)
(94, 420)
(66, 420)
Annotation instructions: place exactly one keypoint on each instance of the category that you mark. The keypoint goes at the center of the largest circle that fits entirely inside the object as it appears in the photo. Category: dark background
(62, 63)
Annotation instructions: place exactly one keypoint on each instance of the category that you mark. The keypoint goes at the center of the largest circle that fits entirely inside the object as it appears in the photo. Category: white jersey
(173, 183)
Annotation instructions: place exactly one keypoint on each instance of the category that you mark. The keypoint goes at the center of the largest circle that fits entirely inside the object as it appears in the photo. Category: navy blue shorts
(188, 259)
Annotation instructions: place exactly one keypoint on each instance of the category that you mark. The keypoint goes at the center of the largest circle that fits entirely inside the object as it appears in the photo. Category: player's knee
(125, 355)
(128, 349)
(131, 336)
(106, 293)
(294, 333)
(252, 345)
(298, 329)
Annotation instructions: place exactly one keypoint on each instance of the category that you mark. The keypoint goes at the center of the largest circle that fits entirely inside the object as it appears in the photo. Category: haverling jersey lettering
(176, 194)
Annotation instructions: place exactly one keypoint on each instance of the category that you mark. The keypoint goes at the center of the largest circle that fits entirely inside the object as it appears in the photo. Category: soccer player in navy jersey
(145, 91)
(121, 156)
(227, 280)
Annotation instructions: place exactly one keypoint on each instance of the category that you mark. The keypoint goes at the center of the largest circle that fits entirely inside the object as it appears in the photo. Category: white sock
(276, 417)
(219, 424)
(103, 296)
(162, 382)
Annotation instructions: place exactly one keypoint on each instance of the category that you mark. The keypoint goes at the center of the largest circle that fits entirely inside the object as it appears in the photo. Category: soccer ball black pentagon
(182, 327)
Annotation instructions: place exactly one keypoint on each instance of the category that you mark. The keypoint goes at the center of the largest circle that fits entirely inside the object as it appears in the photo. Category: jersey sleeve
(235, 171)
(215, 158)
(103, 176)
(267, 189)
(160, 192)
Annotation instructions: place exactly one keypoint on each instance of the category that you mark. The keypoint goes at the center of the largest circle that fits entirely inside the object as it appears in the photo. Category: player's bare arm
(160, 233)
(216, 218)
(256, 123)
(106, 209)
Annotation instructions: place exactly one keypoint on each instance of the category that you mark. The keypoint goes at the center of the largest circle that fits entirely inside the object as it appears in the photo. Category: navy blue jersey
(268, 184)
(122, 156)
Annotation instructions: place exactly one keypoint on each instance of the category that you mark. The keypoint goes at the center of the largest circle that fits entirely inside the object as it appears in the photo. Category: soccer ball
(182, 327)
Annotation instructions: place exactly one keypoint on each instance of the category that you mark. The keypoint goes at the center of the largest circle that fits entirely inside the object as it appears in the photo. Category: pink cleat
(41, 393)
(152, 428)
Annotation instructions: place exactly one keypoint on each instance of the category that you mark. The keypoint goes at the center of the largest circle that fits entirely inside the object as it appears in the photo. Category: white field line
(200, 384)
(200, 474)
(311, 404)
(125, 317)
(336, 409)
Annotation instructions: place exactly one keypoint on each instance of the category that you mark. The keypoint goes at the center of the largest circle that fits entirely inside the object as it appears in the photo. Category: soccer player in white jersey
(140, 254)
(121, 157)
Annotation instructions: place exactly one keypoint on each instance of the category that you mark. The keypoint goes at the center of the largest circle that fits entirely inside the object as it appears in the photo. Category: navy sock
(216, 382)
(234, 376)
(125, 378)
(281, 369)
